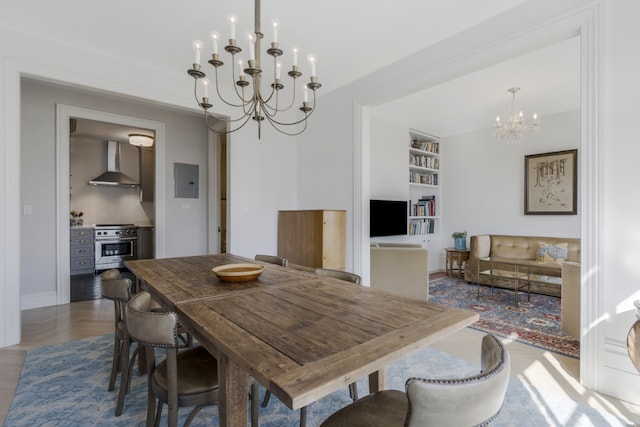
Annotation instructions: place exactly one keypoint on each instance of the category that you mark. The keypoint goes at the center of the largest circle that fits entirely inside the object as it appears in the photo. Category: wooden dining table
(300, 335)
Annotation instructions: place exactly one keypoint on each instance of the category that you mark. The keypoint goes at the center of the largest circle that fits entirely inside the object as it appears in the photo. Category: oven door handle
(115, 239)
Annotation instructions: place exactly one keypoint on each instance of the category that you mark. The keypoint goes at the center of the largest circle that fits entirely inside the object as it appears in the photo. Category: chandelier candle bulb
(215, 36)
(295, 58)
(306, 94)
(252, 47)
(197, 46)
(278, 66)
(232, 27)
(205, 83)
(312, 61)
(275, 24)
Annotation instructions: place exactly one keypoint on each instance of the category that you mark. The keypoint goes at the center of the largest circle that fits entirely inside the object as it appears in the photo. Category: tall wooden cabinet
(313, 238)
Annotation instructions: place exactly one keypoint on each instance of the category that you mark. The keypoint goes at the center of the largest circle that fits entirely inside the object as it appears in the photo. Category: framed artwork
(551, 183)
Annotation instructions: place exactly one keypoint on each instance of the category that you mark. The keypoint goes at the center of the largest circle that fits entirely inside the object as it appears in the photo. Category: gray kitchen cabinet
(145, 242)
(82, 251)
(147, 173)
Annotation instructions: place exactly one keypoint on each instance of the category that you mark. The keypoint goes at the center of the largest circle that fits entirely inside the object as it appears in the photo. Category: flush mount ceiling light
(515, 126)
(251, 101)
(140, 140)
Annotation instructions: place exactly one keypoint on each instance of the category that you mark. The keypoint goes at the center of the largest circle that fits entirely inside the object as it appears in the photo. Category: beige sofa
(399, 268)
(546, 279)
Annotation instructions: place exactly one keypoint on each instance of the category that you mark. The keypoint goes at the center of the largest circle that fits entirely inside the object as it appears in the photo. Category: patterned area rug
(66, 385)
(535, 322)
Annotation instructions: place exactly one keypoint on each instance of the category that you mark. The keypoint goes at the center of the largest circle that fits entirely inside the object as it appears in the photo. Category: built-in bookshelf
(424, 182)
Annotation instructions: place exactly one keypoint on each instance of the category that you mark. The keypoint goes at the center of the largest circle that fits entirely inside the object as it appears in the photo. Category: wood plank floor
(539, 368)
(46, 326)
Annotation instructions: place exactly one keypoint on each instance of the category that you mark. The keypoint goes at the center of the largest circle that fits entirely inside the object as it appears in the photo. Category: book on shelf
(422, 226)
(425, 206)
(430, 146)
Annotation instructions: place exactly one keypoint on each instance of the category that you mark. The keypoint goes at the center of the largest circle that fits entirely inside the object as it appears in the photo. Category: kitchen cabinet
(82, 250)
(313, 238)
(147, 173)
(145, 242)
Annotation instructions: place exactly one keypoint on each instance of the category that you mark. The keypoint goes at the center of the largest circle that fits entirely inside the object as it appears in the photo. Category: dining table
(300, 335)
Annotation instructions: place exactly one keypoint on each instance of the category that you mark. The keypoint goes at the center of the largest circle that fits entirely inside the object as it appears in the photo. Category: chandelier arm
(277, 125)
(210, 126)
(231, 104)
(304, 119)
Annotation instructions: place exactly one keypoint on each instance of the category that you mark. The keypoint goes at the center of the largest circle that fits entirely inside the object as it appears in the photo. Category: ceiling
(351, 39)
(549, 81)
(93, 130)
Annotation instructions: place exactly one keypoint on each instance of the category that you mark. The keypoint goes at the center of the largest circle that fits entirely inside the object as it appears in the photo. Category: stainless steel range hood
(113, 176)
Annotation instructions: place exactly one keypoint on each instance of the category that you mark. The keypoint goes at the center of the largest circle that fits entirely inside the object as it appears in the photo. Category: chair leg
(303, 416)
(353, 391)
(255, 394)
(124, 376)
(114, 364)
(265, 401)
(156, 422)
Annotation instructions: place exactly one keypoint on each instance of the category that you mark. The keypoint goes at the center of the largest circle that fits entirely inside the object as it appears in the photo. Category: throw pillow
(552, 253)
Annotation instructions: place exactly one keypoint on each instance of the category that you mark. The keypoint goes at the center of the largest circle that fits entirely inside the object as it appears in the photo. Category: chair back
(148, 327)
(470, 401)
(272, 259)
(339, 274)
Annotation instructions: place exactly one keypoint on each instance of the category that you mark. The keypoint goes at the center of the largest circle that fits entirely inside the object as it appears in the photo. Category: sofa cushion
(552, 253)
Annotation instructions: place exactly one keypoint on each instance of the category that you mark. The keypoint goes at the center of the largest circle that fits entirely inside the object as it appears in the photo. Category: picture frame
(551, 183)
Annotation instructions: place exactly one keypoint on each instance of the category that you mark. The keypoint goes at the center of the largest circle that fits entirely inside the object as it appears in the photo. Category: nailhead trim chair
(119, 291)
(633, 339)
(186, 378)
(472, 401)
(272, 259)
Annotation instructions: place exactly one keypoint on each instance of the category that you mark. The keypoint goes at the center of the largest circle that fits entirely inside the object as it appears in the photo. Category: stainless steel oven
(114, 244)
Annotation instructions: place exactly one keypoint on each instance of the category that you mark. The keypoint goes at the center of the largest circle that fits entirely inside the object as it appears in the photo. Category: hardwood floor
(541, 369)
(51, 325)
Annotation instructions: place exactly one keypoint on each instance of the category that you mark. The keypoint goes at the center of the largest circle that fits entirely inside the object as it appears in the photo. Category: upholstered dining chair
(119, 291)
(471, 401)
(339, 274)
(272, 259)
(353, 389)
(633, 339)
(186, 378)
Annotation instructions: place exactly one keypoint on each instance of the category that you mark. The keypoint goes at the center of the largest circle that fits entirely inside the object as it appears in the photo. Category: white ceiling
(549, 79)
(351, 39)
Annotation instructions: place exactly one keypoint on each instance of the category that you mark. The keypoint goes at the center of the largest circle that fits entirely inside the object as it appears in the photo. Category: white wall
(620, 205)
(483, 181)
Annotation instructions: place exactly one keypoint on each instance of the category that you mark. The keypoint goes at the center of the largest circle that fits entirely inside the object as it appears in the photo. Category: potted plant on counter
(459, 240)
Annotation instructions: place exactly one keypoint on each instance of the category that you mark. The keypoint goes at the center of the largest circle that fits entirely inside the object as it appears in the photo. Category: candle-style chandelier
(251, 101)
(515, 126)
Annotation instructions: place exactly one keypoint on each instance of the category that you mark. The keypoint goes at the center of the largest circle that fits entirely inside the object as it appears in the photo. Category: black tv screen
(387, 218)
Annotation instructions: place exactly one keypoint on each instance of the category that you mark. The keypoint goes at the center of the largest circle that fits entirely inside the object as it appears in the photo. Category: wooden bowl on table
(238, 272)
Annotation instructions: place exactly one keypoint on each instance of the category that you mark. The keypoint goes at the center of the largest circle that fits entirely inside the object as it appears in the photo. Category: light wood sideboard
(312, 238)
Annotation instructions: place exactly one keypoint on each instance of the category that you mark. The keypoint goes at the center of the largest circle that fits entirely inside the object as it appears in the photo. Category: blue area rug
(66, 385)
(535, 322)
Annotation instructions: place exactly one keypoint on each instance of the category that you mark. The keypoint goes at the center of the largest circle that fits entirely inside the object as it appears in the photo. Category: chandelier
(250, 101)
(515, 126)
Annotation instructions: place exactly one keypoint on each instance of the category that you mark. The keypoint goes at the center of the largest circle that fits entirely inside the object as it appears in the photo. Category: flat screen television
(387, 217)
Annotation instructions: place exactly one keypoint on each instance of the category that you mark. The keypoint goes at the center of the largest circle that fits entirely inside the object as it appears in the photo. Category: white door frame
(63, 114)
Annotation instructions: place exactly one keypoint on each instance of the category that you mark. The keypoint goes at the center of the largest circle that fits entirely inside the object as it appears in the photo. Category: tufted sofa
(547, 280)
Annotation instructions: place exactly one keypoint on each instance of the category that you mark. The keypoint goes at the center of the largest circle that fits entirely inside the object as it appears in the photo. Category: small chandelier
(515, 126)
(251, 101)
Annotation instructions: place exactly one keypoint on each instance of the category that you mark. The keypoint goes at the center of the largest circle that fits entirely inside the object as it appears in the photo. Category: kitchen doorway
(63, 167)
